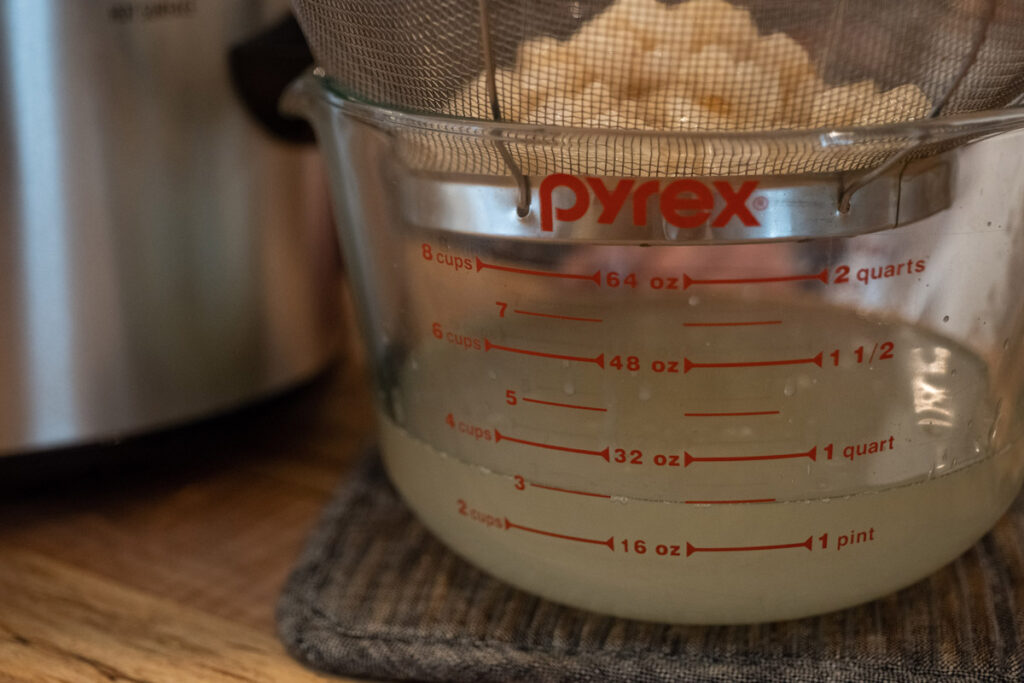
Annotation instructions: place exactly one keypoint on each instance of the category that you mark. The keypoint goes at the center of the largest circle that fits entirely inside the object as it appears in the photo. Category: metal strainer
(420, 55)
(709, 68)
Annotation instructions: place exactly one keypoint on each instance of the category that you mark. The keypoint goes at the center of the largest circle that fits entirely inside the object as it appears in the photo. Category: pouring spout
(301, 99)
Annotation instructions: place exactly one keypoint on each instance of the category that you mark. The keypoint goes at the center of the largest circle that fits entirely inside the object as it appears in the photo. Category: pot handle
(261, 69)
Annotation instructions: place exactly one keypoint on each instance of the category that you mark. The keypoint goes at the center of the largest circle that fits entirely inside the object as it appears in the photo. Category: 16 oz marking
(640, 547)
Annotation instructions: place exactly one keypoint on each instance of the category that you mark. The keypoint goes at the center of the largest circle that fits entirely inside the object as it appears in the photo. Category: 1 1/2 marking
(880, 351)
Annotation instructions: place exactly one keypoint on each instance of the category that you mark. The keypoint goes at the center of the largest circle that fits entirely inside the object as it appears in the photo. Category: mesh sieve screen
(752, 64)
(690, 65)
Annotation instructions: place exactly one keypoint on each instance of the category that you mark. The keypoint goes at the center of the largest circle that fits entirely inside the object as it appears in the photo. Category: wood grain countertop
(164, 558)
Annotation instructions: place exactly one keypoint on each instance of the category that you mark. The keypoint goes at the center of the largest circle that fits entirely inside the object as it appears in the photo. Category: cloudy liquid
(732, 490)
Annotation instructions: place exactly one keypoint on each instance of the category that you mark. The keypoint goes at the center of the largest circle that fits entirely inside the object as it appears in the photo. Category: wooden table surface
(164, 561)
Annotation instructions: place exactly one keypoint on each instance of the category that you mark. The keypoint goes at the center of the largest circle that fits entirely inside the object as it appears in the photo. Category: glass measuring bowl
(710, 400)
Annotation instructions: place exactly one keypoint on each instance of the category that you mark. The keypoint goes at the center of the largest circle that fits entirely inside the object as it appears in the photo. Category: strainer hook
(968, 63)
(486, 47)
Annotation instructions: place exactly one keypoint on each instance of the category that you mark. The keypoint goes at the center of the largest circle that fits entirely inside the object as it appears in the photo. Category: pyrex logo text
(684, 203)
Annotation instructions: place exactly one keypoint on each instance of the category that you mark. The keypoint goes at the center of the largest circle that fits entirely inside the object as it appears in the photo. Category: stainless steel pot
(162, 254)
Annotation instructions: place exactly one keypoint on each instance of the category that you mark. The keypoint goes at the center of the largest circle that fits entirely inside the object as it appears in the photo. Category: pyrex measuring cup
(689, 399)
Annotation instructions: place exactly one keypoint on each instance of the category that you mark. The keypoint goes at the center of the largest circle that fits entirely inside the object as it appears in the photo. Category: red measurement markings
(558, 317)
(730, 502)
(564, 405)
(751, 413)
(691, 549)
(743, 323)
(498, 436)
(491, 346)
(816, 360)
(610, 543)
(572, 491)
(812, 454)
(595, 278)
(690, 282)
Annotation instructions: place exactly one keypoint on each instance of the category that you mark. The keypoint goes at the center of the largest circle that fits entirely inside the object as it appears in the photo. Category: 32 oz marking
(636, 457)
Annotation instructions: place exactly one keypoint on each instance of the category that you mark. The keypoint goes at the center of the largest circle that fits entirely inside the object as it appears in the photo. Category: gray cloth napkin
(376, 596)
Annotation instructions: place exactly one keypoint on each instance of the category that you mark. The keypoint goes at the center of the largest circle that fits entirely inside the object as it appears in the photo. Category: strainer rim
(919, 130)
